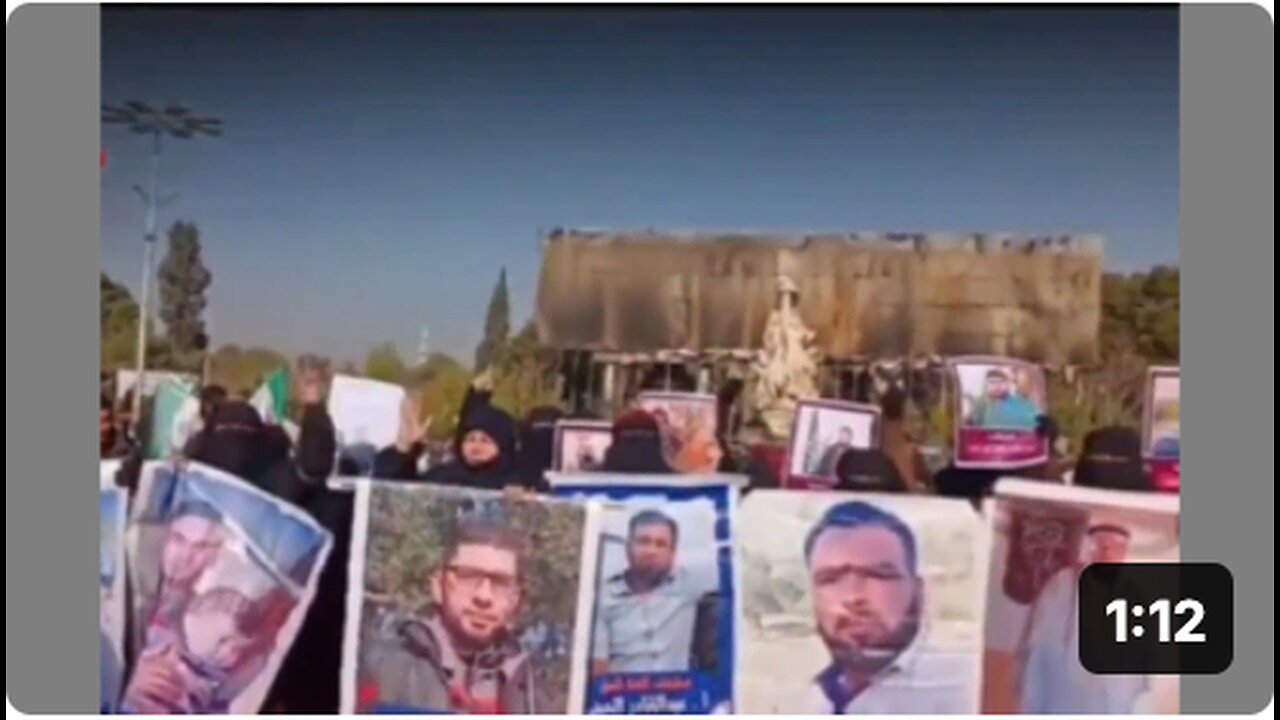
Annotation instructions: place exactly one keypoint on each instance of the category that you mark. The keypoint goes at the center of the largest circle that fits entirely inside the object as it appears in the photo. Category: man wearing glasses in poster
(464, 656)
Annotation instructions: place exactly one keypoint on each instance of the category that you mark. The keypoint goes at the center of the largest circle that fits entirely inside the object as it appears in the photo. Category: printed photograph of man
(220, 569)
(467, 601)
(1053, 680)
(857, 603)
(999, 406)
(581, 445)
(463, 655)
(193, 541)
(1044, 536)
(110, 596)
(826, 430)
(868, 600)
(842, 443)
(688, 425)
(201, 648)
(646, 615)
(588, 450)
(219, 649)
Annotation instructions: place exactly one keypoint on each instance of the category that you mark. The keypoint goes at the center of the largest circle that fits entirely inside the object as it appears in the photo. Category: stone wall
(865, 295)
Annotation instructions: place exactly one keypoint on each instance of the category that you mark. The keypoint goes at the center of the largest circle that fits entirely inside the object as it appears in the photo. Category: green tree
(242, 370)
(497, 324)
(441, 384)
(1141, 315)
(183, 281)
(384, 363)
(118, 331)
(525, 374)
(118, 328)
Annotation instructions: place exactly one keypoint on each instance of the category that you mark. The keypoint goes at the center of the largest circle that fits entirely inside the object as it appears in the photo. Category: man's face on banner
(866, 598)
(192, 544)
(478, 592)
(651, 551)
(846, 436)
(997, 386)
(1108, 546)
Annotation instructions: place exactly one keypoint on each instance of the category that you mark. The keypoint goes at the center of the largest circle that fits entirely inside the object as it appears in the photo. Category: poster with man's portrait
(1043, 536)
(999, 402)
(823, 431)
(580, 445)
(860, 603)
(687, 422)
(663, 631)
(222, 576)
(113, 505)
(1162, 426)
(466, 601)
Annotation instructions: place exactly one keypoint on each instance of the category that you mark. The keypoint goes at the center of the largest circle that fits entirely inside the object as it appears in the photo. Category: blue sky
(380, 165)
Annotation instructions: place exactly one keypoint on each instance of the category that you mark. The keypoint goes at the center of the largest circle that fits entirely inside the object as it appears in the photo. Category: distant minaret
(424, 345)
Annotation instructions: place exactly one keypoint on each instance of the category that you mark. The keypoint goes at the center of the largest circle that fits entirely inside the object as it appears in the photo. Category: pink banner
(1166, 473)
(797, 482)
(981, 448)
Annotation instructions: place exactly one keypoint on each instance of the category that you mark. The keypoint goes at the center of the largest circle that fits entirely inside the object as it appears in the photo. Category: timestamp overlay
(1156, 618)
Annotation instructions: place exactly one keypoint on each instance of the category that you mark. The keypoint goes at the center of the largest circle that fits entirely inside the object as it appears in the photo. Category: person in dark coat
(210, 397)
(301, 686)
(484, 454)
(636, 446)
(1112, 458)
(970, 483)
(479, 394)
(537, 446)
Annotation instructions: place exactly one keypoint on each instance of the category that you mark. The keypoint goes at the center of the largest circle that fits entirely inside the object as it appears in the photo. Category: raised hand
(412, 430)
(313, 383)
(157, 686)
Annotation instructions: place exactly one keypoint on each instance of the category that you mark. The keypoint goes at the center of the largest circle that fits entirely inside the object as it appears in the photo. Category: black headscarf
(636, 446)
(1112, 458)
(234, 441)
(971, 483)
(494, 475)
(868, 471)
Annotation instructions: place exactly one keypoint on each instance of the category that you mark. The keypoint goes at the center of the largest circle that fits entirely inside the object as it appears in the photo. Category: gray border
(51, 257)
(52, 89)
(1228, 236)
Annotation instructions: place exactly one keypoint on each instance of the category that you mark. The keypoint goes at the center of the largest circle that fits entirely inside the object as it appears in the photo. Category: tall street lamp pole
(173, 121)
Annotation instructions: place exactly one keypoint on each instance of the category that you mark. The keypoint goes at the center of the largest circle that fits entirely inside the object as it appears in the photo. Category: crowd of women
(493, 451)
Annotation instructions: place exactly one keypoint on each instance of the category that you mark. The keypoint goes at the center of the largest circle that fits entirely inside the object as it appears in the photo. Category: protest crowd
(492, 451)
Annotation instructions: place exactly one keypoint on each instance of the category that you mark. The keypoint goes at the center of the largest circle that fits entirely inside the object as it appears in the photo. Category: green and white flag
(272, 399)
(175, 416)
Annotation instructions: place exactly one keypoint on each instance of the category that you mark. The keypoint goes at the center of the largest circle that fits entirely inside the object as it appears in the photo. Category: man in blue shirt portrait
(645, 615)
(1001, 408)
